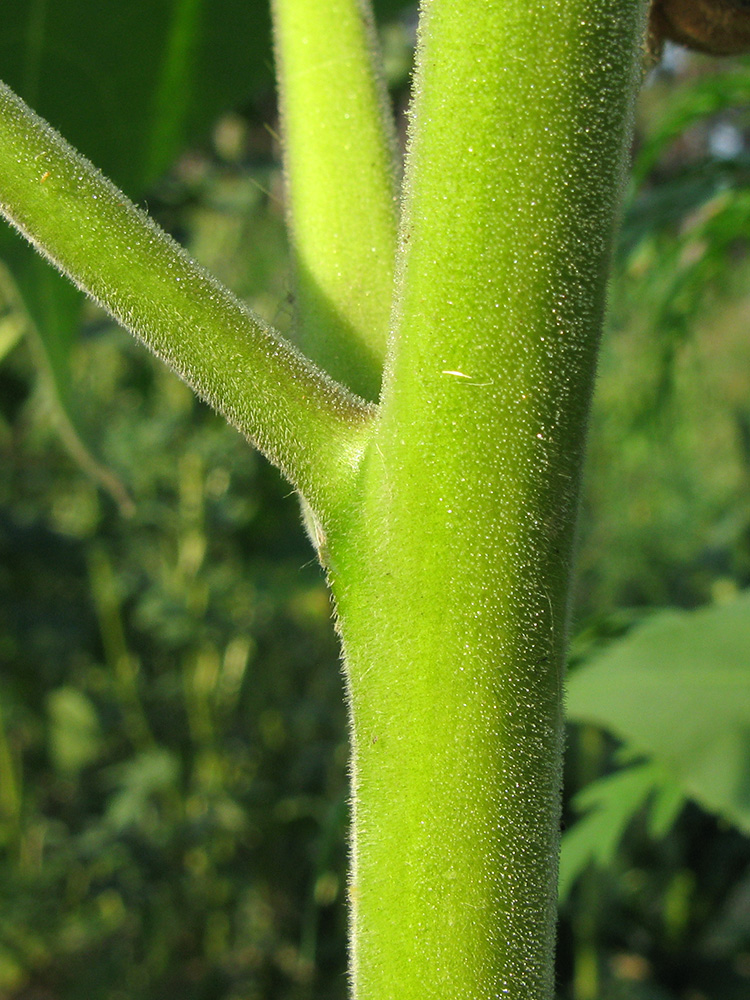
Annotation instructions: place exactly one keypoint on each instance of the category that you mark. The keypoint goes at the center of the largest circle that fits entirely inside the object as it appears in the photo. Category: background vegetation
(172, 731)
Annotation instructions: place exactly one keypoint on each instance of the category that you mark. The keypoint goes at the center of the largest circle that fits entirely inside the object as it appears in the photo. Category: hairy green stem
(452, 577)
(339, 157)
(310, 426)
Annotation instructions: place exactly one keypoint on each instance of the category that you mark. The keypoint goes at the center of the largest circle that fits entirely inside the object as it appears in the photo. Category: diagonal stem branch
(302, 420)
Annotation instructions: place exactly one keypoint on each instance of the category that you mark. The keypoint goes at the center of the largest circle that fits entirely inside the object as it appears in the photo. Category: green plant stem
(310, 426)
(452, 577)
(339, 155)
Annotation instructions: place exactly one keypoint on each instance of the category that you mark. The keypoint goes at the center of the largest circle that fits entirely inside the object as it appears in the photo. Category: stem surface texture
(452, 575)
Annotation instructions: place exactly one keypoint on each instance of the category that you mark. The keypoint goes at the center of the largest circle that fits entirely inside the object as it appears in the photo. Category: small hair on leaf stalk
(718, 27)
(315, 532)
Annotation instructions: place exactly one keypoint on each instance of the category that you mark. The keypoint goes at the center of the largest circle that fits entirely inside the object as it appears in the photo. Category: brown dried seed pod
(719, 27)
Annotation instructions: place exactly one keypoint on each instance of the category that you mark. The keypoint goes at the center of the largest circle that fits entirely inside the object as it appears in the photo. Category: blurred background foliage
(173, 788)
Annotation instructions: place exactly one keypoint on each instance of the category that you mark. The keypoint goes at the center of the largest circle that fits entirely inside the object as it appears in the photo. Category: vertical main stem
(451, 575)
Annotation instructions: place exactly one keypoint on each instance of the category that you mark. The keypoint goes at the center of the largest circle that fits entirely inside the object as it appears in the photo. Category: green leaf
(129, 81)
(610, 805)
(698, 99)
(677, 689)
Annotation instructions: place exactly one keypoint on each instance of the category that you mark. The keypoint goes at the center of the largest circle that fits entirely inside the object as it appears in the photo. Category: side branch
(340, 159)
(302, 420)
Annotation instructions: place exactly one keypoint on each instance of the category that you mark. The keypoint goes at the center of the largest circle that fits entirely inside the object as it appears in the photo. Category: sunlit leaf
(677, 689)
(609, 805)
